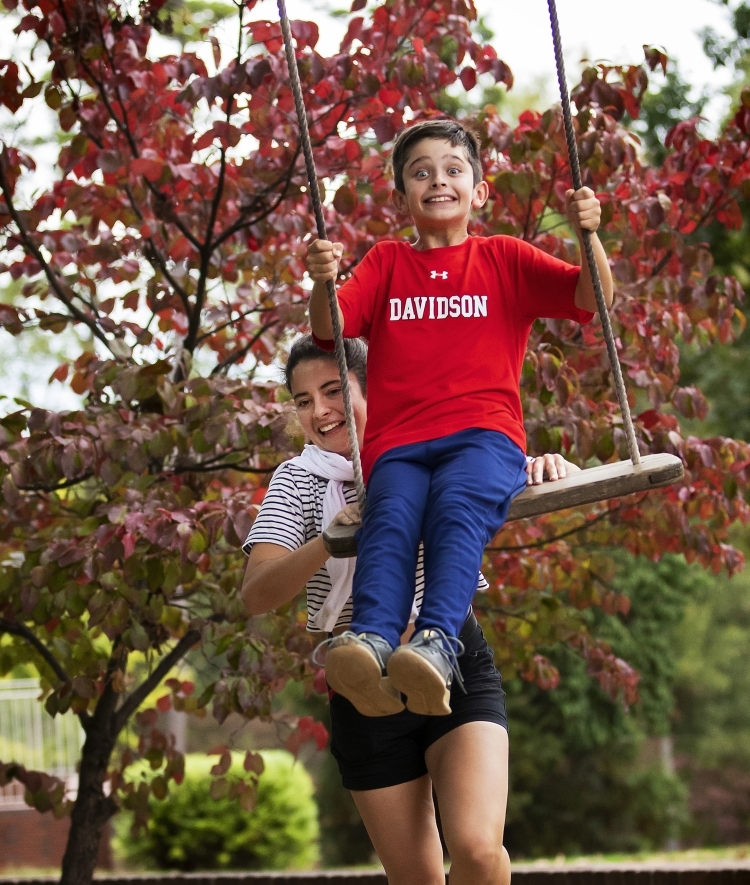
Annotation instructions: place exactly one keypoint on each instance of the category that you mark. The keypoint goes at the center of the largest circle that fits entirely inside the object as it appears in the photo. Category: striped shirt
(292, 514)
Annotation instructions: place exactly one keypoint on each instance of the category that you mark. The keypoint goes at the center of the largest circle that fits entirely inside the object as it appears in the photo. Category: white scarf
(337, 470)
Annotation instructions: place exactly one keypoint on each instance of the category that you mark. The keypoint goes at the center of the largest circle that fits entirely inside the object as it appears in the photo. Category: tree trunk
(92, 808)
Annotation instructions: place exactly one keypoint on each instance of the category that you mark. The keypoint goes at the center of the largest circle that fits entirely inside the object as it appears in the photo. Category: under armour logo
(443, 274)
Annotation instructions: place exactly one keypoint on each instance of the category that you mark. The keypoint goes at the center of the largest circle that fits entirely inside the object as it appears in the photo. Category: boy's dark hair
(442, 130)
(305, 349)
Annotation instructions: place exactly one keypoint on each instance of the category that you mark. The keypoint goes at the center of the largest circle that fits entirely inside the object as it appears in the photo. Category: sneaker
(424, 670)
(355, 668)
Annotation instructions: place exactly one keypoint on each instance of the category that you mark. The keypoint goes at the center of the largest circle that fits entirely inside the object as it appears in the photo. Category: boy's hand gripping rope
(575, 169)
(312, 179)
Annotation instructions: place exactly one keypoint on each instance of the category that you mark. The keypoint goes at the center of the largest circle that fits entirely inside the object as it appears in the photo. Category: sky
(604, 29)
(596, 29)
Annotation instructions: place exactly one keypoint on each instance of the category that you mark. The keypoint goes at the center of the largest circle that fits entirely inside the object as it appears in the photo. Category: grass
(689, 855)
(725, 854)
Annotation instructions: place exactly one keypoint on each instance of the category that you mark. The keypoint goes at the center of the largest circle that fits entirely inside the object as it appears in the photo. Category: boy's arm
(322, 261)
(584, 212)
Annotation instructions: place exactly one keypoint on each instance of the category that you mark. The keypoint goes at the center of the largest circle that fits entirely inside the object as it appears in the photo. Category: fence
(34, 739)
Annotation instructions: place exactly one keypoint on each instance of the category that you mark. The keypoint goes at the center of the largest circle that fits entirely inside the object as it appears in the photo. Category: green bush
(191, 831)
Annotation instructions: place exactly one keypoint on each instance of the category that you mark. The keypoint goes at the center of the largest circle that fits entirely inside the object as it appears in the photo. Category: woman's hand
(554, 466)
(348, 516)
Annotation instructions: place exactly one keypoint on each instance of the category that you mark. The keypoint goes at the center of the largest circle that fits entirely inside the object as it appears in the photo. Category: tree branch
(151, 251)
(68, 483)
(122, 124)
(232, 322)
(662, 262)
(527, 220)
(550, 191)
(32, 248)
(212, 465)
(16, 629)
(243, 221)
(505, 612)
(137, 697)
(242, 351)
(536, 544)
(191, 339)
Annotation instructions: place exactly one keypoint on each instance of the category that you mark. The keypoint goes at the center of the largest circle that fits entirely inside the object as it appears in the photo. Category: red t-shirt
(447, 331)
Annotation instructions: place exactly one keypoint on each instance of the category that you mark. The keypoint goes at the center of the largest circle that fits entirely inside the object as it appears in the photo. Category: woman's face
(316, 391)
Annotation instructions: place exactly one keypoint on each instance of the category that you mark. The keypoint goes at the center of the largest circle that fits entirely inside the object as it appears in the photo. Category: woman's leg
(469, 770)
(401, 824)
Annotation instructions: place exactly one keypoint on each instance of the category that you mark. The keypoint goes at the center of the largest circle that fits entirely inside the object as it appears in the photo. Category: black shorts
(382, 751)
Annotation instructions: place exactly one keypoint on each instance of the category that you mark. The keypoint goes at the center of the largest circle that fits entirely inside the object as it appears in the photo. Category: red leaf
(305, 33)
(649, 418)
(128, 544)
(468, 77)
(345, 200)
(180, 249)
(57, 23)
(293, 743)
(223, 765)
(149, 169)
(79, 383)
(254, 762)
(204, 141)
(164, 704)
(147, 718)
(385, 128)
(110, 161)
(216, 50)
(389, 96)
(352, 150)
(60, 373)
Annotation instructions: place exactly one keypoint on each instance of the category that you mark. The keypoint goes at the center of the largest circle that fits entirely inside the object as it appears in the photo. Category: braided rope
(575, 169)
(312, 179)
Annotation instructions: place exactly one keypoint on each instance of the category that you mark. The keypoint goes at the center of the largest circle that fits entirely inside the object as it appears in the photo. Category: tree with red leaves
(169, 239)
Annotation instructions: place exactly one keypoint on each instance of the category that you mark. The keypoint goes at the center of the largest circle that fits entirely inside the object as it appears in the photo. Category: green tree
(730, 51)
(711, 723)
(661, 109)
(723, 372)
(585, 776)
(199, 827)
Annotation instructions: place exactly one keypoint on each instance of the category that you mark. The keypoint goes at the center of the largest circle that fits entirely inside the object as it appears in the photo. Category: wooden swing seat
(586, 487)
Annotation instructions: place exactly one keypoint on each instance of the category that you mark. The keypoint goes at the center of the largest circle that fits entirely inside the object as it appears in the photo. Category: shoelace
(449, 647)
(347, 634)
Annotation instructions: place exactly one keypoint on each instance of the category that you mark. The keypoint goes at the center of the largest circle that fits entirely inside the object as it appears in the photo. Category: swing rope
(575, 169)
(312, 178)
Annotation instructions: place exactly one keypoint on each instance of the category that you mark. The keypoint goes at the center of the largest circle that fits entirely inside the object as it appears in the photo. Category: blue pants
(453, 493)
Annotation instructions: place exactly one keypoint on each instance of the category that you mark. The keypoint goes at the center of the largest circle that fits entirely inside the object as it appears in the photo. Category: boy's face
(439, 186)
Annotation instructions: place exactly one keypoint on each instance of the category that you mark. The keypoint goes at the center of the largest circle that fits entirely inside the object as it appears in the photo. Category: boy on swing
(447, 319)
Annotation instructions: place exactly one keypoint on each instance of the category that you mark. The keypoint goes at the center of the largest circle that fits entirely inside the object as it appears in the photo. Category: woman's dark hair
(443, 130)
(305, 349)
